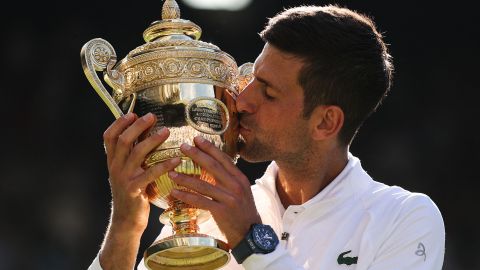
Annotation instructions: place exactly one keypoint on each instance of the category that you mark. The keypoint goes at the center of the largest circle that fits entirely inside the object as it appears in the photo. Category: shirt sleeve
(95, 264)
(417, 239)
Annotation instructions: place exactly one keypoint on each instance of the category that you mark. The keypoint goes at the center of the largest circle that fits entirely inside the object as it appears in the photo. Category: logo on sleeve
(421, 251)
(342, 259)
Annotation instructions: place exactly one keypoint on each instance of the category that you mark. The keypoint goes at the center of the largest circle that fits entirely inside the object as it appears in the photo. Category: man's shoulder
(394, 196)
(398, 203)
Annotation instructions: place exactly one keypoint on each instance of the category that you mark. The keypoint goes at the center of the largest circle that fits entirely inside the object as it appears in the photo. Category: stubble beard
(268, 149)
(254, 151)
(267, 146)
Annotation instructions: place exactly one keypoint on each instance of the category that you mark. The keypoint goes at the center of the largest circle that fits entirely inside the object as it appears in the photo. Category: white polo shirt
(353, 223)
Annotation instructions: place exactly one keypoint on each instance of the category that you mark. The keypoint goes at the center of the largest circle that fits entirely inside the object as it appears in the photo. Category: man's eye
(264, 90)
(265, 93)
(267, 96)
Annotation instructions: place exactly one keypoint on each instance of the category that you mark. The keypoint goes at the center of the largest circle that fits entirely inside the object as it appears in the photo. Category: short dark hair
(346, 60)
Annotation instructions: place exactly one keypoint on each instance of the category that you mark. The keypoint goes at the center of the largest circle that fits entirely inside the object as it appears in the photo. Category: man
(322, 72)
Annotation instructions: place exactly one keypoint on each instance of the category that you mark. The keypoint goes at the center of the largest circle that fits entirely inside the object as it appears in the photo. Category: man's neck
(297, 184)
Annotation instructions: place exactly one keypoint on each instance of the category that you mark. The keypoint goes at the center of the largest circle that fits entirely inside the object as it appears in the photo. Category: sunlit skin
(273, 127)
(128, 182)
(271, 108)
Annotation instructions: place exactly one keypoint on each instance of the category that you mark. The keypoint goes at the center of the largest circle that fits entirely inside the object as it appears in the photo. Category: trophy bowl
(191, 87)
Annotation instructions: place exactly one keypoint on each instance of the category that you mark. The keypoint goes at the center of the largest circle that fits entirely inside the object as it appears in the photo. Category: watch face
(264, 237)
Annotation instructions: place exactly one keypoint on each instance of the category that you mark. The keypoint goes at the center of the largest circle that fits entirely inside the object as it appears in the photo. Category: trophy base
(187, 252)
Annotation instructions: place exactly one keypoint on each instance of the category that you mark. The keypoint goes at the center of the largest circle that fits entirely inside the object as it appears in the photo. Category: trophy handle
(98, 55)
(245, 75)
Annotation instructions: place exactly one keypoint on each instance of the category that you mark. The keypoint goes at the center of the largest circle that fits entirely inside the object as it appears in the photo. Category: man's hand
(128, 181)
(231, 204)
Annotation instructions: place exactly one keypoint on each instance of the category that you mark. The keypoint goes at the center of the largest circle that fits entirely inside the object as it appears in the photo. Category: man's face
(272, 126)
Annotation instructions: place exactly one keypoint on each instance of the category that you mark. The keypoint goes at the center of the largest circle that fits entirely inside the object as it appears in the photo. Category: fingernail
(172, 174)
(148, 117)
(162, 131)
(175, 160)
(128, 116)
(185, 146)
(199, 139)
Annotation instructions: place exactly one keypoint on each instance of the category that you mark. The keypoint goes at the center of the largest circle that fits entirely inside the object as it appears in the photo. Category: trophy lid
(173, 53)
(171, 24)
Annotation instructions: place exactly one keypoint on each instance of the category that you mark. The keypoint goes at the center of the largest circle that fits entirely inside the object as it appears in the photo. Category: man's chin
(241, 148)
(250, 155)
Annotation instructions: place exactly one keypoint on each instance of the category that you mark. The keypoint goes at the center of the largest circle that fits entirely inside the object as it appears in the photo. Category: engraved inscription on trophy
(207, 115)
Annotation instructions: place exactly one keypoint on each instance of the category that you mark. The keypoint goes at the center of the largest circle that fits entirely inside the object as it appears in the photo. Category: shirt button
(299, 210)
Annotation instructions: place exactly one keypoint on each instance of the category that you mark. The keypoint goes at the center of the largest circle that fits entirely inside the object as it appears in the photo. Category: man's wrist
(125, 222)
(122, 242)
(127, 228)
(260, 239)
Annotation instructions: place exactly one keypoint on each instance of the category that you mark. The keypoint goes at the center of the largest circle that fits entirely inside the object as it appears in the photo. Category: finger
(222, 170)
(196, 184)
(110, 135)
(217, 154)
(195, 199)
(152, 173)
(209, 164)
(142, 149)
(130, 135)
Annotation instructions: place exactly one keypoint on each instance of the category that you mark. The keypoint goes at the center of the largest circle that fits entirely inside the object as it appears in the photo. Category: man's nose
(246, 99)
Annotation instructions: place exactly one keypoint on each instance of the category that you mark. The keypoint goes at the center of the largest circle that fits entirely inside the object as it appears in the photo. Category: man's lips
(243, 129)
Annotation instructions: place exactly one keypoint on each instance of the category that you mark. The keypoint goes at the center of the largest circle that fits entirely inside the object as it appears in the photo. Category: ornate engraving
(171, 67)
(101, 54)
(196, 68)
(165, 28)
(98, 55)
(169, 43)
(165, 67)
(162, 155)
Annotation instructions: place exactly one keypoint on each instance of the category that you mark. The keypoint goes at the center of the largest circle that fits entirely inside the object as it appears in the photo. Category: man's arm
(118, 251)
(128, 181)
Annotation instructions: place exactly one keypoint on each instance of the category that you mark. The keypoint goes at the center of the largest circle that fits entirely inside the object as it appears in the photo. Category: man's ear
(326, 121)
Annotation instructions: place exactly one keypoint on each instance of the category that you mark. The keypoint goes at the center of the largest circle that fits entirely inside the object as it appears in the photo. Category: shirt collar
(353, 179)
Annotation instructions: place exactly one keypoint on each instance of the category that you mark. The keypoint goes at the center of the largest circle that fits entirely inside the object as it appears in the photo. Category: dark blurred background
(54, 193)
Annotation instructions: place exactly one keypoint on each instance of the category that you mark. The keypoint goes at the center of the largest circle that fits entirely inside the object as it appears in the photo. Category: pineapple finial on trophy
(170, 10)
(171, 26)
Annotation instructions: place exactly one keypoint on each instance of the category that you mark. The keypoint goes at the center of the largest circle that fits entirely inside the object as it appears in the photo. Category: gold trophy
(191, 87)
